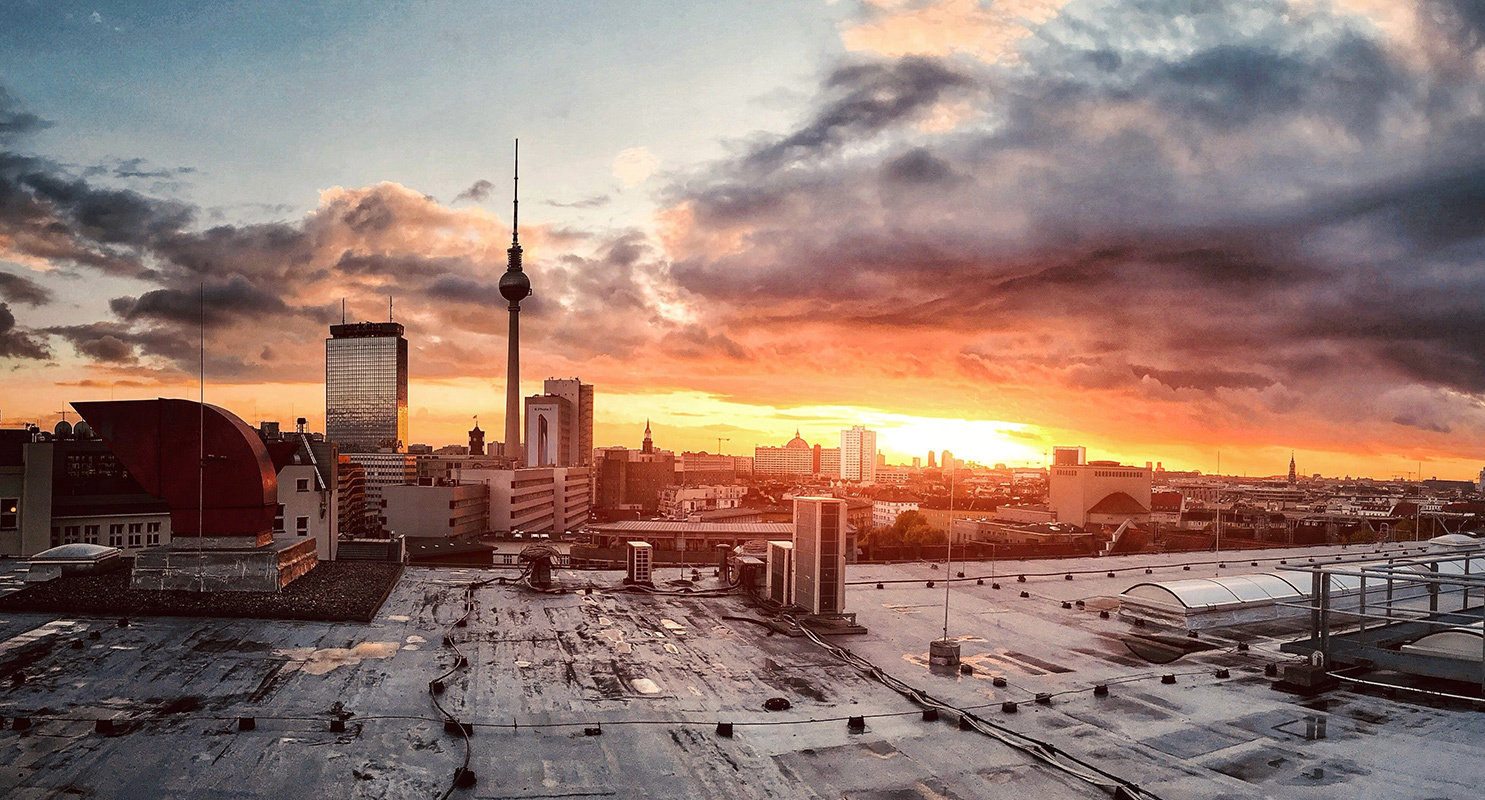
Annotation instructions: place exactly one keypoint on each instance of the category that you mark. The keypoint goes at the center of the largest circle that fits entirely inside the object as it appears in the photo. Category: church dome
(797, 443)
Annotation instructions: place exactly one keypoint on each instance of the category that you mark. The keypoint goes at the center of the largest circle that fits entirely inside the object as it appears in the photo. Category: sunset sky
(1158, 228)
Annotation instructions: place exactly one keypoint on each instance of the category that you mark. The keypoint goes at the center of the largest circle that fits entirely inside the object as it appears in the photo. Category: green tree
(912, 528)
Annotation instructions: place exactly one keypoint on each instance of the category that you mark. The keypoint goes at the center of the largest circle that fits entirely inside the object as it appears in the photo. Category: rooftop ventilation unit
(641, 564)
(781, 573)
(819, 554)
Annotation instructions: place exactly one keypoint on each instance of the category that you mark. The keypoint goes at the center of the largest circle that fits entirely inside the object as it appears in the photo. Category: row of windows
(140, 534)
(1104, 473)
(301, 524)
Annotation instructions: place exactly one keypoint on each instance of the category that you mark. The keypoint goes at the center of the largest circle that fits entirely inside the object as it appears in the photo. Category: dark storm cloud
(20, 289)
(1238, 197)
(15, 123)
(16, 342)
(214, 303)
(139, 168)
(476, 192)
(864, 100)
(463, 289)
(271, 288)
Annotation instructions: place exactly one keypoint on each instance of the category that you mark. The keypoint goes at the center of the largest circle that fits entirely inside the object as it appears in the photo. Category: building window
(10, 513)
(90, 534)
(278, 519)
(303, 484)
(116, 535)
(71, 534)
(136, 534)
(152, 533)
(301, 526)
(56, 536)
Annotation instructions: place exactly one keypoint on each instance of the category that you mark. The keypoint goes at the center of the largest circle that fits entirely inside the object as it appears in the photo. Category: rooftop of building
(1118, 503)
(361, 330)
(619, 694)
(676, 526)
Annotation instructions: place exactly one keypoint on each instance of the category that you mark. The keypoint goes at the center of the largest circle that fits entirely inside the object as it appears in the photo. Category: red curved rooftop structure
(159, 442)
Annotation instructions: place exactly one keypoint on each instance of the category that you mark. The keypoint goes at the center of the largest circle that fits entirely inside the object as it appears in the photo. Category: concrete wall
(318, 507)
(1073, 489)
(437, 511)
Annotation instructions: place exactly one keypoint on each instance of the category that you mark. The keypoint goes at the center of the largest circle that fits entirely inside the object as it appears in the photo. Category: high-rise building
(931, 462)
(366, 387)
(559, 425)
(858, 454)
(549, 424)
(820, 554)
(577, 446)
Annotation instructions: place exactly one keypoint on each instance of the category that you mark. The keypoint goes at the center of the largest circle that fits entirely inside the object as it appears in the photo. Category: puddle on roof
(674, 627)
(616, 638)
(416, 639)
(645, 686)
(398, 617)
(908, 608)
(318, 661)
(672, 649)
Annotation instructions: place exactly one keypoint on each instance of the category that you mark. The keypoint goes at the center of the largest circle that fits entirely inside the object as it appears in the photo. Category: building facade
(577, 448)
(1097, 492)
(796, 459)
(383, 470)
(549, 429)
(858, 454)
(309, 486)
(448, 511)
(366, 387)
(887, 508)
(66, 488)
(680, 502)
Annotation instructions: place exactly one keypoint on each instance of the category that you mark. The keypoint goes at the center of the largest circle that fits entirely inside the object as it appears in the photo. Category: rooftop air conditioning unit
(781, 573)
(819, 554)
(641, 563)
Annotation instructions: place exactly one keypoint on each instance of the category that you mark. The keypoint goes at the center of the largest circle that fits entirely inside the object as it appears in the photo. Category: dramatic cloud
(477, 192)
(16, 343)
(21, 289)
(1179, 221)
(1247, 207)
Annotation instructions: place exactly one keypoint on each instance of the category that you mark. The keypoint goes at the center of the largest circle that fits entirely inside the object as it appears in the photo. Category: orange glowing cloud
(947, 27)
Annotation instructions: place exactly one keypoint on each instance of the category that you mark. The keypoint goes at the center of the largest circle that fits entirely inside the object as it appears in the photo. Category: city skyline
(991, 228)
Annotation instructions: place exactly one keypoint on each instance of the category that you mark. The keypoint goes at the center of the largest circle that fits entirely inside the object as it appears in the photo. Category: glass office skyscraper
(366, 387)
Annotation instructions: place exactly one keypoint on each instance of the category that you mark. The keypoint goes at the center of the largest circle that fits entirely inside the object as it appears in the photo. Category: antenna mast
(515, 199)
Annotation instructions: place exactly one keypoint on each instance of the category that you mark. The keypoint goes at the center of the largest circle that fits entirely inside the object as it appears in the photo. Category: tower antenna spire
(515, 199)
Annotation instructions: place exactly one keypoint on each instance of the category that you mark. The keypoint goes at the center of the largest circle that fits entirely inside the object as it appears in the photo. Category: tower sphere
(515, 286)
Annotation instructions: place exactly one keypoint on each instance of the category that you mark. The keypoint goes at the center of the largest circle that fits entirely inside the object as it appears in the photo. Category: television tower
(515, 287)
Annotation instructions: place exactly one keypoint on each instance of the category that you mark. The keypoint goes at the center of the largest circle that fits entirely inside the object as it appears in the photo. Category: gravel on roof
(334, 591)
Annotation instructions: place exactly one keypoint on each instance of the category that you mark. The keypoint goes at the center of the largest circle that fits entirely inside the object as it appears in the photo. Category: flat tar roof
(656, 673)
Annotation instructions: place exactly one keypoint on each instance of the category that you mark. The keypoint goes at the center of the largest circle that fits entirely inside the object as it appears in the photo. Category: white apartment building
(885, 510)
(858, 454)
(680, 502)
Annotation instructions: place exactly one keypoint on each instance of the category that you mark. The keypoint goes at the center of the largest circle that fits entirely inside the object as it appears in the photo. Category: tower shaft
(513, 386)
